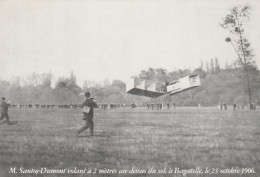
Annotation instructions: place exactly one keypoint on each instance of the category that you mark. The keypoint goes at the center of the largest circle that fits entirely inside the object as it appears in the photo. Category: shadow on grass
(10, 122)
(99, 135)
(84, 136)
(13, 122)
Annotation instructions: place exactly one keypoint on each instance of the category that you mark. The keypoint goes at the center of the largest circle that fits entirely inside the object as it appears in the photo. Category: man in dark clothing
(4, 111)
(89, 104)
(234, 106)
(168, 105)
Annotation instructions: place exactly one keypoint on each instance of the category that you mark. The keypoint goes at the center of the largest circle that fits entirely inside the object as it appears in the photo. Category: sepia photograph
(130, 88)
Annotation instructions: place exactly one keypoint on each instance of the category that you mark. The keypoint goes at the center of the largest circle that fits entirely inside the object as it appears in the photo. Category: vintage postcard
(130, 88)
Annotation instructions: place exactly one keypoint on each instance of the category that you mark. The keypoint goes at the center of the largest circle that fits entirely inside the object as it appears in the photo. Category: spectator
(4, 111)
(88, 114)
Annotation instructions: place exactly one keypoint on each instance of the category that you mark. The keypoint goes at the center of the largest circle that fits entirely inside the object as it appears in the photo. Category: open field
(124, 138)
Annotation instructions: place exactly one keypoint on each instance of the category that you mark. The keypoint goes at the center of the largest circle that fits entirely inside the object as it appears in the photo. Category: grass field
(131, 138)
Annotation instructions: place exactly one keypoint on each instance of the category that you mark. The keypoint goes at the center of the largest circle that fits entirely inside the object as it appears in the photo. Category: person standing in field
(168, 105)
(4, 111)
(88, 114)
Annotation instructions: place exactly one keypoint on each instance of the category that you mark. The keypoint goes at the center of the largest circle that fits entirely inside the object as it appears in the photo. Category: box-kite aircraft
(152, 89)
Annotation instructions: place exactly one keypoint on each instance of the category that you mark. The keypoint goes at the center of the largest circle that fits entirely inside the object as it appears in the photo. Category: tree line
(218, 85)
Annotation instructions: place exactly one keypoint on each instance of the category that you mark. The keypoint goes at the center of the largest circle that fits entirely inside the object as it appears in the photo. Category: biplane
(152, 89)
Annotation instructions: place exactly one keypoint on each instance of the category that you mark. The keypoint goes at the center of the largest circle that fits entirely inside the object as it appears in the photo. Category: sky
(115, 39)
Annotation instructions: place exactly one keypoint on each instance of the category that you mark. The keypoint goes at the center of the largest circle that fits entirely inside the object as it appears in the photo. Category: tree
(47, 79)
(85, 85)
(72, 78)
(235, 22)
(200, 72)
(212, 69)
(150, 74)
(119, 84)
(217, 68)
(158, 74)
(33, 79)
(226, 65)
(106, 82)
(62, 83)
(207, 66)
(66, 90)
(161, 75)
(201, 65)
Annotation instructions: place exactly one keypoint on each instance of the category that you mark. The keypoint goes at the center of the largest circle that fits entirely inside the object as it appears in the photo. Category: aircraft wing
(142, 87)
(183, 84)
(152, 89)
